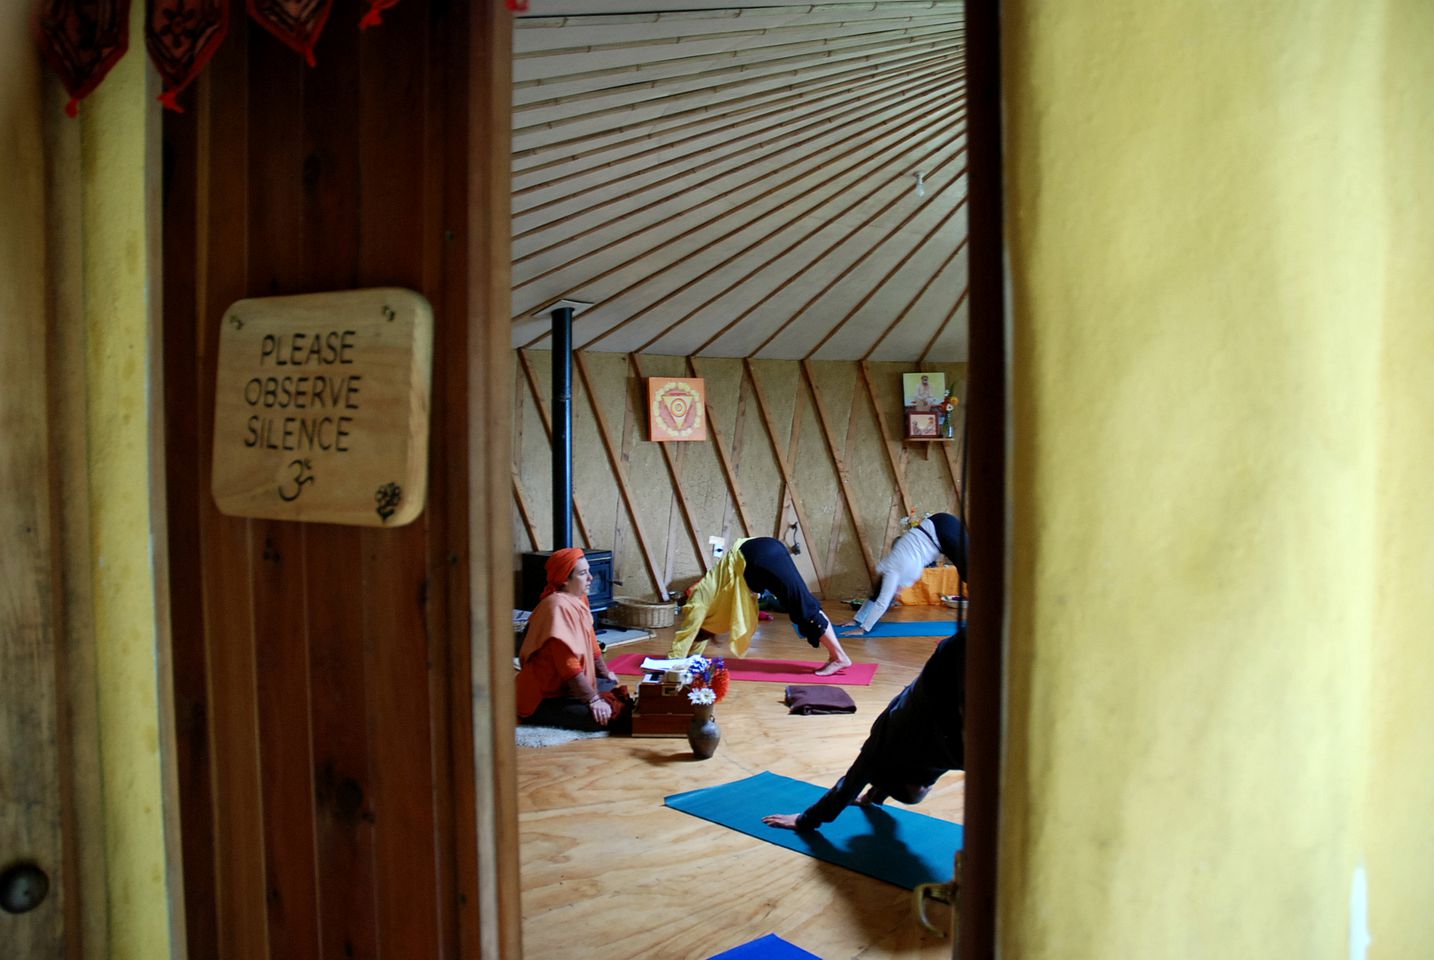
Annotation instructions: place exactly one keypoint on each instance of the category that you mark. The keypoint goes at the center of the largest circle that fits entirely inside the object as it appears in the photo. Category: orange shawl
(568, 619)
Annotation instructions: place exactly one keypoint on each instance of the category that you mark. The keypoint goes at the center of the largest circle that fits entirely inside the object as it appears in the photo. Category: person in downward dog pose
(723, 601)
(913, 551)
(917, 738)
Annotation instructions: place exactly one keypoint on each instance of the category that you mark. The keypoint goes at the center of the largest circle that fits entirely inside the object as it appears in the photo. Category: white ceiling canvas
(743, 180)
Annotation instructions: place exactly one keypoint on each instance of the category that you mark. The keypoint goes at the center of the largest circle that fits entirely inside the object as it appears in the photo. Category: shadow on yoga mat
(891, 844)
(895, 628)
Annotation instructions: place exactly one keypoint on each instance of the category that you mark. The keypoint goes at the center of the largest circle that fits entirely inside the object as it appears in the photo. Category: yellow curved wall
(129, 656)
(1222, 402)
(1400, 789)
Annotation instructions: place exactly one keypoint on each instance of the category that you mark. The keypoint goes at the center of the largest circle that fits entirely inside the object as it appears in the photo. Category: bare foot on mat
(831, 667)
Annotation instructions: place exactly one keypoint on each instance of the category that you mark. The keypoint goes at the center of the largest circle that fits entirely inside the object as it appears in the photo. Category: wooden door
(31, 788)
(326, 688)
(988, 417)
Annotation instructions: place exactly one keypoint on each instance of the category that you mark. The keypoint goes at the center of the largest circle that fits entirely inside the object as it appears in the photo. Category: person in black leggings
(723, 602)
(918, 737)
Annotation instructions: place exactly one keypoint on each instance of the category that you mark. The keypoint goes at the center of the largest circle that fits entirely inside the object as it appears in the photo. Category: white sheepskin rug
(532, 736)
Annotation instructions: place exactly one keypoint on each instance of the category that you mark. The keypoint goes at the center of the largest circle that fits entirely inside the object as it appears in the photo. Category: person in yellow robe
(723, 601)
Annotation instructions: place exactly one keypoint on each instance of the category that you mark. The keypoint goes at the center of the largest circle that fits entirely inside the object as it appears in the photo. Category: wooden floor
(608, 871)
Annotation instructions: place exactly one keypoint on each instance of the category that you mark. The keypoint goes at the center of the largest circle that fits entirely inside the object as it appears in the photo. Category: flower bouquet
(945, 409)
(914, 519)
(707, 680)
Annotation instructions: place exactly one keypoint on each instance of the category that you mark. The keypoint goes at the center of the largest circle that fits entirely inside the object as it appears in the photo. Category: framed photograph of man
(922, 392)
(922, 425)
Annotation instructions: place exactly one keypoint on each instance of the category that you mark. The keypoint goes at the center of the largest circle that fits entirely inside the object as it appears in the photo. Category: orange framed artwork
(676, 409)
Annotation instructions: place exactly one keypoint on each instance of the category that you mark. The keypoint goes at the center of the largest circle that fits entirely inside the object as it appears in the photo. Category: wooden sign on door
(321, 407)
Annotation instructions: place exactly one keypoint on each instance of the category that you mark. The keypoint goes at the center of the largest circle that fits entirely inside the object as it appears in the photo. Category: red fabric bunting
(371, 17)
(296, 22)
(81, 40)
(182, 36)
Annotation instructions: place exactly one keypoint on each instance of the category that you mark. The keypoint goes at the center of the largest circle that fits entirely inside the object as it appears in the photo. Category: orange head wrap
(560, 567)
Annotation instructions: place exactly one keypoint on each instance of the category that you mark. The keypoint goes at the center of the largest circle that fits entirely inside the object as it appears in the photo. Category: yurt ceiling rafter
(772, 180)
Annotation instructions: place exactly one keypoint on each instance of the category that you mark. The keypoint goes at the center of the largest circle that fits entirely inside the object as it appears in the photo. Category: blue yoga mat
(899, 846)
(895, 628)
(770, 947)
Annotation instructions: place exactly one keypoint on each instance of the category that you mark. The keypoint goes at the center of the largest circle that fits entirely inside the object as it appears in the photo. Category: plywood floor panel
(608, 870)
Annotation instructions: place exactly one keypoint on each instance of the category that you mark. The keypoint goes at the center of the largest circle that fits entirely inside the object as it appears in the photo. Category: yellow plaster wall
(117, 271)
(1400, 790)
(1218, 708)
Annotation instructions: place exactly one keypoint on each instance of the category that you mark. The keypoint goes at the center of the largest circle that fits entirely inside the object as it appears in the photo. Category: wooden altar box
(662, 710)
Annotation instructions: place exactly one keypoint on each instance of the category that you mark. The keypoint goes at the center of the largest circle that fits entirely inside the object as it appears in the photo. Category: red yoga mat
(772, 671)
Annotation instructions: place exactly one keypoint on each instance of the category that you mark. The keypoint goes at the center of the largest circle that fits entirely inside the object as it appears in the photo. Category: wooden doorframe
(489, 685)
(988, 416)
(490, 529)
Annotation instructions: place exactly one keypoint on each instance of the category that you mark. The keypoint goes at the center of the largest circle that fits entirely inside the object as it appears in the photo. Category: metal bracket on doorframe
(948, 893)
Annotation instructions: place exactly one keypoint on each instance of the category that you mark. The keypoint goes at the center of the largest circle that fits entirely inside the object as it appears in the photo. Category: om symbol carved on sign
(302, 478)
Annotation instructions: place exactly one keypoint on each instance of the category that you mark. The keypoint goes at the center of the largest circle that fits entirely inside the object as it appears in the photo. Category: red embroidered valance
(182, 36)
(82, 39)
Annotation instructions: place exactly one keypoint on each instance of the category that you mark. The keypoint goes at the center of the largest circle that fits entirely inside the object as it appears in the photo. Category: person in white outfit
(913, 552)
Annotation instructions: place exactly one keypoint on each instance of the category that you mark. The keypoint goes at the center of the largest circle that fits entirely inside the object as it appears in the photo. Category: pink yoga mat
(772, 671)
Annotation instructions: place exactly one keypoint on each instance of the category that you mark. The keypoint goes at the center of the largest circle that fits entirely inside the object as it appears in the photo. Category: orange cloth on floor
(546, 674)
(934, 582)
(559, 645)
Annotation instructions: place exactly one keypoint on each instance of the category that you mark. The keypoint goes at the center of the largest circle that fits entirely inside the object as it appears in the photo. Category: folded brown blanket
(819, 699)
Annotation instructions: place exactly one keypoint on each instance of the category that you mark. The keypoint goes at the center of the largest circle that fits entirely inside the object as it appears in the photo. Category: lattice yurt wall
(824, 418)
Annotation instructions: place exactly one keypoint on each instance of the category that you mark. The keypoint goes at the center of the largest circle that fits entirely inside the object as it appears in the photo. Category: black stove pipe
(562, 427)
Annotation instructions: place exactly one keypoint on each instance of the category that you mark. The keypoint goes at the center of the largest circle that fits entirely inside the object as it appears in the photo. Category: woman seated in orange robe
(564, 680)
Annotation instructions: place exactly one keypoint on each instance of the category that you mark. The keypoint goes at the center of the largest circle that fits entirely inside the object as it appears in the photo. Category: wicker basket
(629, 612)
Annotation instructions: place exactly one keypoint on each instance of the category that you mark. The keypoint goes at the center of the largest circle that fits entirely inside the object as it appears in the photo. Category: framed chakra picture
(676, 409)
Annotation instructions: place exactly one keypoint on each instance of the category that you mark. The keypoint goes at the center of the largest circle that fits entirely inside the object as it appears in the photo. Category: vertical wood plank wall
(880, 475)
(34, 787)
(313, 662)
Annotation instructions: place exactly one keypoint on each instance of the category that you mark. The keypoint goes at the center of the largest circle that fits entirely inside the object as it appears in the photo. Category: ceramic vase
(703, 733)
